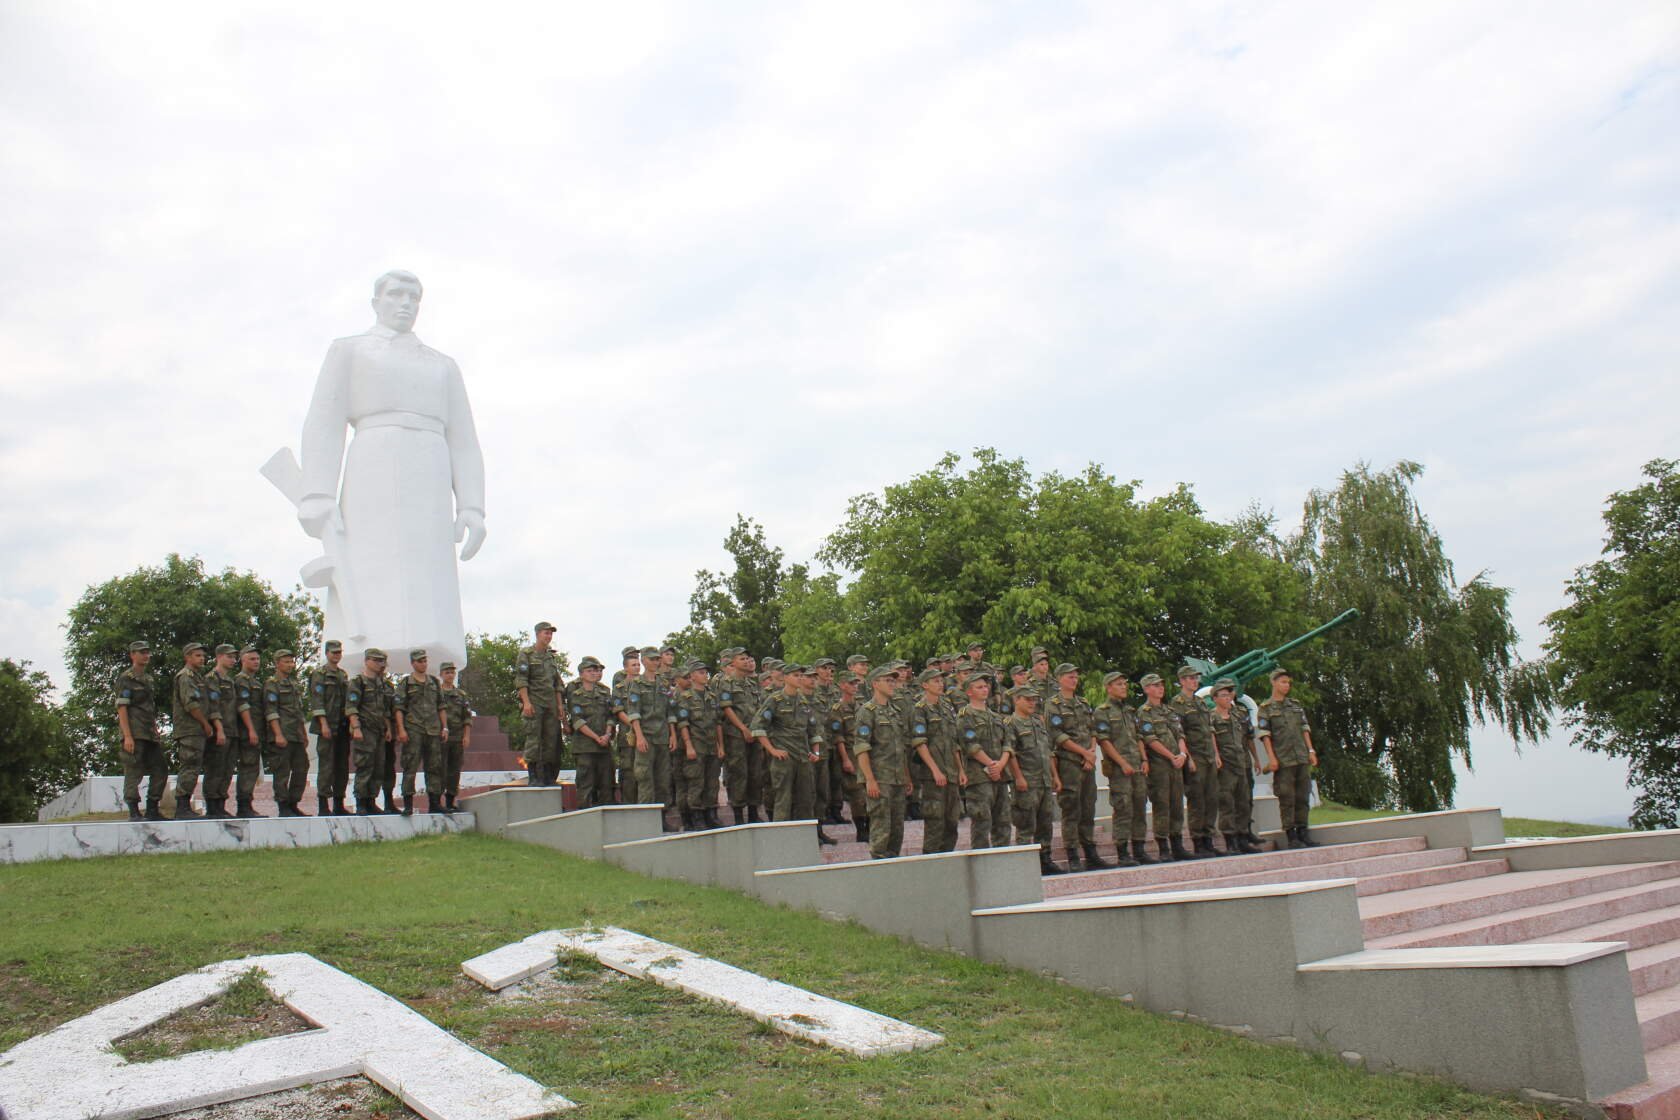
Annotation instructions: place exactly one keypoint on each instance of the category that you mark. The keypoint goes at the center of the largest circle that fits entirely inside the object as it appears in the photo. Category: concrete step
(1376, 875)
(1641, 929)
(1654, 967)
(1500, 919)
(1659, 1017)
(1656, 1098)
(1295, 864)
(1493, 902)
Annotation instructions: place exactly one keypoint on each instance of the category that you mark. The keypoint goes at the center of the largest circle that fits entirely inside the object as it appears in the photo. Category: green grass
(1330, 812)
(403, 916)
(244, 1012)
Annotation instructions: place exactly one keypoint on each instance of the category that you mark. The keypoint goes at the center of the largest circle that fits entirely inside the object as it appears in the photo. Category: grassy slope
(1331, 812)
(403, 916)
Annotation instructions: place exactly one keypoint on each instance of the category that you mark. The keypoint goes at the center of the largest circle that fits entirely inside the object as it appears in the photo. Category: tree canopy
(1615, 646)
(488, 677)
(37, 759)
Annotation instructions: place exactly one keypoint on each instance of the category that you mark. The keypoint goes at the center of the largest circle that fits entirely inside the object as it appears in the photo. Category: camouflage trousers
(247, 767)
(453, 750)
(735, 753)
(1128, 801)
(989, 813)
(839, 783)
(700, 780)
(1236, 799)
(542, 745)
(1035, 817)
(851, 789)
(594, 774)
(624, 759)
(1201, 792)
(219, 759)
(369, 752)
(942, 807)
(1166, 798)
(1077, 801)
(758, 775)
(189, 764)
(792, 787)
(332, 763)
(288, 765)
(886, 821)
(423, 751)
(1293, 786)
(146, 761)
(653, 770)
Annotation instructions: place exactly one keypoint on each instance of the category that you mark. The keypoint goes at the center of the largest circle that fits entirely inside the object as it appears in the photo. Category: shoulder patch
(274, 696)
(863, 730)
(1055, 721)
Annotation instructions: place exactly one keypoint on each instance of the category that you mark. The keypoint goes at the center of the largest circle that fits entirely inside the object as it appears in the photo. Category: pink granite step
(1504, 919)
(1492, 902)
(1654, 967)
(1658, 1097)
(1639, 929)
(1659, 1017)
(1291, 865)
(1375, 875)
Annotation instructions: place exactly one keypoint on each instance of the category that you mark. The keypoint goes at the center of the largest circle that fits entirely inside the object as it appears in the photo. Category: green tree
(1394, 697)
(814, 619)
(1615, 647)
(38, 760)
(169, 605)
(488, 677)
(740, 607)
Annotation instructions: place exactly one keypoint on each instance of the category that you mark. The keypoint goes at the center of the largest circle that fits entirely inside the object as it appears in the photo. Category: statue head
(396, 300)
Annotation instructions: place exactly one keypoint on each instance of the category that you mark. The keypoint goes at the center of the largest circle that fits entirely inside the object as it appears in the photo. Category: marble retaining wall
(27, 843)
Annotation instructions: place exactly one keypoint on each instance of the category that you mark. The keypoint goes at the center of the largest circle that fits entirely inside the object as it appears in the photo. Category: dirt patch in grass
(353, 1098)
(243, 1013)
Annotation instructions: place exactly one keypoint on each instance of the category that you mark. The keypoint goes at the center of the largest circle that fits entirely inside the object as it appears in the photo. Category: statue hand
(316, 514)
(469, 526)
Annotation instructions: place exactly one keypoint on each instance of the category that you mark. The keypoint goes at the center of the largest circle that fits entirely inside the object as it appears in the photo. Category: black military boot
(408, 806)
(711, 818)
(1179, 851)
(1302, 840)
(297, 810)
(242, 809)
(861, 824)
(153, 813)
(340, 808)
(323, 806)
(218, 810)
(1073, 859)
(1140, 852)
(364, 808)
(1121, 859)
(134, 810)
(1232, 848)
(1093, 861)
(1203, 846)
(1167, 854)
(824, 838)
(1046, 865)
(390, 803)
(184, 810)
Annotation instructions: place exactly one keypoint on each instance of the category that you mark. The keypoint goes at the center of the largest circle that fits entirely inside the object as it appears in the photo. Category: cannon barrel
(1256, 662)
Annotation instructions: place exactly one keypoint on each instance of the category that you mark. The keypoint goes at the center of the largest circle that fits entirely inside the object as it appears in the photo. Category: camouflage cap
(650, 651)
(1188, 671)
(773, 663)
(823, 662)
(900, 664)
(972, 646)
(846, 676)
(667, 649)
(1024, 692)
(1039, 653)
(932, 661)
(590, 662)
(927, 675)
(1066, 667)
(880, 671)
(333, 645)
(694, 663)
(279, 654)
(728, 652)
(139, 647)
(1110, 678)
(1223, 683)
(373, 653)
(190, 646)
(543, 625)
(447, 666)
(978, 678)
(630, 651)
(1151, 678)
(857, 659)
(1280, 671)
(1013, 669)
(417, 654)
(225, 648)
(251, 648)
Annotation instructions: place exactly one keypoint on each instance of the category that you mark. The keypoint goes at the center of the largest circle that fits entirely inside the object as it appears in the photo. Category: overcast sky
(700, 259)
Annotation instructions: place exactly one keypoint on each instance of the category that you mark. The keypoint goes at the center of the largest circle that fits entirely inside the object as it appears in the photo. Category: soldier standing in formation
(647, 706)
(1236, 777)
(791, 738)
(934, 764)
(1033, 764)
(589, 705)
(1290, 756)
(624, 741)
(1163, 738)
(536, 674)
(249, 728)
(988, 776)
(699, 726)
(737, 698)
(221, 748)
(1127, 771)
(1201, 773)
(288, 735)
(332, 738)
(458, 715)
(370, 712)
(142, 752)
(421, 727)
(881, 755)
(189, 728)
(1073, 732)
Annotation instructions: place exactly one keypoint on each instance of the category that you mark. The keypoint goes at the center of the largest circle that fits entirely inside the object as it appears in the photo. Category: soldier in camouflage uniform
(1201, 773)
(589, 707)
(791, 738)
(842, 722)
(221, 704)
(1038, 676)
(1033, 766)
(624, 742)
(142, 751)
(421, 727)
(248, 686)
(190, 727)
(332, 731)
(1073, 733)
(648, 707)
(1236, 777)
(934, 764)
(700, 733)
(1127, 772)
(737, 699)
(823, 693)
(1159, 731)
(287, 749)
(370, 710)
(536, 674)
(1290, 753)
(457, 710)
(990, 778)
(880, 753)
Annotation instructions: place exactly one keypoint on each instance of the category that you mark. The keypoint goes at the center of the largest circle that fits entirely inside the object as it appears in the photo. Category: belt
(413, 420)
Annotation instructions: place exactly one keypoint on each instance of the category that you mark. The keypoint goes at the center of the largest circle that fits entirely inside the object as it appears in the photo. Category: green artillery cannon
(1256, 663)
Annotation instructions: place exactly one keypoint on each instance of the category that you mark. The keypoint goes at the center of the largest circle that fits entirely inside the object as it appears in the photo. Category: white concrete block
(72, 1072)
(1529, 955)
(25, 843)
(509, 965)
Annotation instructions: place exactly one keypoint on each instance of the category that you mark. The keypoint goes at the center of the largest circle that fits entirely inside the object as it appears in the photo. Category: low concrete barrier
(1450, 828)
(499, 808)
(722, 857)
(1586, 851)
(587, 832)
(26, 843)
(1228, 956)
(930, 899)
(1558, 1018)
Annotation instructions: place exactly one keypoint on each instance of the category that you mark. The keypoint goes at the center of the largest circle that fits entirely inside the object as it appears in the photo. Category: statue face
(397, 305)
